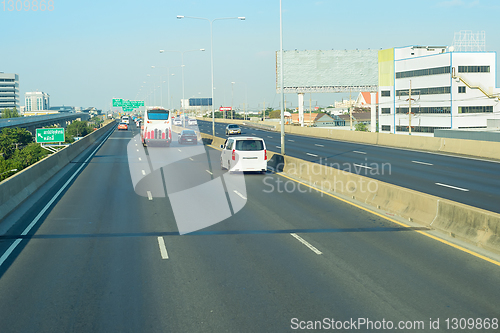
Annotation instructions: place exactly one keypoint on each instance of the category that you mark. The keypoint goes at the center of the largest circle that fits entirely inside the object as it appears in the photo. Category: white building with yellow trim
(448, 89)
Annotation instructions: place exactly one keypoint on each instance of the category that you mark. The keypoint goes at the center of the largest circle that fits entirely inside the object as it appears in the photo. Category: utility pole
(350, 109)
(310, 107)
(409, 109)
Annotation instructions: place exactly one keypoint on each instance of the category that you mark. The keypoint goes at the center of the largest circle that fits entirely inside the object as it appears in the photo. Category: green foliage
(79, 129)
(276, 114)
(10, 113)
(361, 127)
(97, 121)
(20, 159)
(13, 138)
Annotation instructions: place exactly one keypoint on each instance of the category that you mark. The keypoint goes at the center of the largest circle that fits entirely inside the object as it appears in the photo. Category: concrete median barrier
(470, 224)
(474, 148)
(473, 225)
(14, 190)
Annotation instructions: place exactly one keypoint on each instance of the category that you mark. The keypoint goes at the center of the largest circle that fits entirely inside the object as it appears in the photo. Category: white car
(233, 129)
(244, 154)
(192, 122)
(177, 122)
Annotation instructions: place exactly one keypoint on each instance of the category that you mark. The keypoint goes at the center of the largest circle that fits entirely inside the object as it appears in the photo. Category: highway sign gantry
(49, 135)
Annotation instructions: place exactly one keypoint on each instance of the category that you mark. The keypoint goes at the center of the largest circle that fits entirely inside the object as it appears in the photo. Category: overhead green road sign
(48, 135)
(127, 105)
(117, 102)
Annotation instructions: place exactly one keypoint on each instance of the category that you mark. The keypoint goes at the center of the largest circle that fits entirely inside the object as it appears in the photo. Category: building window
(424, 91)
(427, 109)
(386, 110)
(461, 90)
(385, 93)
(475, 109)
(473, 69)
(424, 72)
(419, 129)
(386, 128)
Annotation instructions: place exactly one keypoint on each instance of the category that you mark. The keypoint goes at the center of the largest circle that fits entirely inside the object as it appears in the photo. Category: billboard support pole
(301, 109)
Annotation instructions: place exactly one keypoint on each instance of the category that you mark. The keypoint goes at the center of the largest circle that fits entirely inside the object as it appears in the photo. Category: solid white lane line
(312, 154)
(453, 187)
(209, 172)
(291, 140)
(303, 241)
(318, 145)
(143, 172)
(150, 196)
(424, 163)
(362, 166)
(239, 194)
(359, 152)
(163, 248)
(54, 198)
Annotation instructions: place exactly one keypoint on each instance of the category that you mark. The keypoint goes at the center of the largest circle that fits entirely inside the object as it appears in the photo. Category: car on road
(122, 126)
(233, 129)
(244, 154)
(177, 122)
(126, 119)
(187, 136)
(192, 122)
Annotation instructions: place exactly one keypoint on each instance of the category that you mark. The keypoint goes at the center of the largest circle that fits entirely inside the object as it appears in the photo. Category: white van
(126, 120)
(244, 154)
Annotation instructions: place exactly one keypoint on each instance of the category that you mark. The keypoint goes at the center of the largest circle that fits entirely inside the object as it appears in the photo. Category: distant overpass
(33, 122)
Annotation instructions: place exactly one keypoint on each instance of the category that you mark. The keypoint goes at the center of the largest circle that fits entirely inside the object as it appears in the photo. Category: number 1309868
(27, 5)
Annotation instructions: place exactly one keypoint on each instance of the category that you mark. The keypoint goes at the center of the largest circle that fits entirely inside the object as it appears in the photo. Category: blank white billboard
(328, 71)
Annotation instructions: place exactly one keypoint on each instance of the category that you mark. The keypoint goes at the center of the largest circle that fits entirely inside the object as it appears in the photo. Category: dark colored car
(188, 136)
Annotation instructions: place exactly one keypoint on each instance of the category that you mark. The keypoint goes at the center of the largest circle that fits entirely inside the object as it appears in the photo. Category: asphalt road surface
(103, 258)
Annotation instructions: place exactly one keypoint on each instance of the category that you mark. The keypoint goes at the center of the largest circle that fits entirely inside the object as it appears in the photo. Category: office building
(36, 101)
(9, 91)
(449, 89)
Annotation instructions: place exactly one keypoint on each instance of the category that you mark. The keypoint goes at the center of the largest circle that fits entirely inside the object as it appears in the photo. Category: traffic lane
(446, 182)
(88, 262)
(360, 274)
(459, 164)
(20, 220)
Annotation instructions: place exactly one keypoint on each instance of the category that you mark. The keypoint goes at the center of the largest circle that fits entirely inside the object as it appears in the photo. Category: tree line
(18, 149)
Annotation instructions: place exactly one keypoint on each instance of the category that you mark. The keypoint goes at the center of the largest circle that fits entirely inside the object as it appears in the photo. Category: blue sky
(84, 53)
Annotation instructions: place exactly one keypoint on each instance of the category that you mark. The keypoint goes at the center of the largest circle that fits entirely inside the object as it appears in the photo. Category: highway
(102, 258)
(470, 181)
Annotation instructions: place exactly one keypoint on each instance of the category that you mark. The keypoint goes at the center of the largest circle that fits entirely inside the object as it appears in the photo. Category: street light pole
(281, 85)
(212, 55)
(232, 99)
(182, 66)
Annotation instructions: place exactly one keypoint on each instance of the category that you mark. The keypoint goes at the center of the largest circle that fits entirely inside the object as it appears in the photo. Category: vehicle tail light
(169, 135)
(265, 154)
(234, 155)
